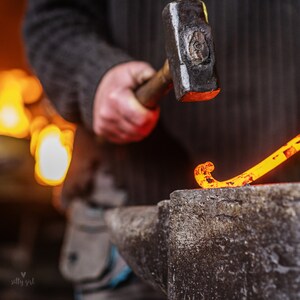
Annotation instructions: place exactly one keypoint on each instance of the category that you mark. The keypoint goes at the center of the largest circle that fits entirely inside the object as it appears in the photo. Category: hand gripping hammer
(190, 64)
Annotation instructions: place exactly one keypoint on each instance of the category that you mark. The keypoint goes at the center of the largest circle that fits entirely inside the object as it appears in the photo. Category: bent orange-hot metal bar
(205, 180)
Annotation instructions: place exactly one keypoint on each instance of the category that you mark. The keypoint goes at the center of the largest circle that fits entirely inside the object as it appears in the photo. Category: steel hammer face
(190, 51)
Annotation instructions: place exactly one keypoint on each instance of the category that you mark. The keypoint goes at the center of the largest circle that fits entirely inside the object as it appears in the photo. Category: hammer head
(190, 51)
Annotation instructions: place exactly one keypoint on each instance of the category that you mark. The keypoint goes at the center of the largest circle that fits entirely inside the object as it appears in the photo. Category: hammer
(190, 65)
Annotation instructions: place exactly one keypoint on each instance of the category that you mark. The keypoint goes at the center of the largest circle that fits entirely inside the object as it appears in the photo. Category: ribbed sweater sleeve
(67, 48)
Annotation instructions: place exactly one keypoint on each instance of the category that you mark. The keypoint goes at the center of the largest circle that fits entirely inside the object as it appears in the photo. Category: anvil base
(234, 243)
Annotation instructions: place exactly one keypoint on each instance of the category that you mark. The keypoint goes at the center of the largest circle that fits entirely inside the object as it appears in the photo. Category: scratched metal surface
(233, 243)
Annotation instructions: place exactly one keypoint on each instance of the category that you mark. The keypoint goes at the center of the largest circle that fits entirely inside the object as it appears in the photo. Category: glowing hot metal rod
(205, 180)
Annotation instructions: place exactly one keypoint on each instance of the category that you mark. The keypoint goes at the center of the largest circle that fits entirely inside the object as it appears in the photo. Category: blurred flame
(31, 89)
(14, 118)
(52, 152)
(17, 88)
(50, 146)
(28, 87)
(205, 180)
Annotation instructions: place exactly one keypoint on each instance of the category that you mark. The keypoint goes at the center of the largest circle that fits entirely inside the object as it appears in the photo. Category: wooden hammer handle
(152, 90)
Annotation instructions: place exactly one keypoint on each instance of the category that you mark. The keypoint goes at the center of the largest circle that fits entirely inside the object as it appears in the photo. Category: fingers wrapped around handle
(152, 90)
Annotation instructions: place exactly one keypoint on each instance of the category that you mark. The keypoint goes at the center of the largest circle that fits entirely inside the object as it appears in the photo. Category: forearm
(67, 49)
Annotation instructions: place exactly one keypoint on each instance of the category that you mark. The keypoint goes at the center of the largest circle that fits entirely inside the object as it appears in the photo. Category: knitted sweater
(72, 43)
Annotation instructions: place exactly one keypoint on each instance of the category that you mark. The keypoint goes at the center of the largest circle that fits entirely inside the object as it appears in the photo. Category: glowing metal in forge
(205, 180)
